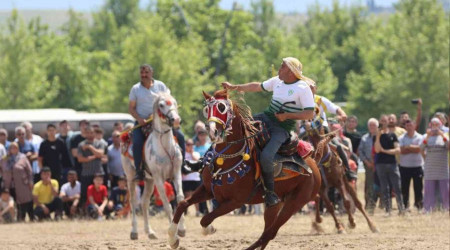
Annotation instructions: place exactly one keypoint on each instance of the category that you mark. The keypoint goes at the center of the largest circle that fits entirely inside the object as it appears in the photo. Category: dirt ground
(415, 231)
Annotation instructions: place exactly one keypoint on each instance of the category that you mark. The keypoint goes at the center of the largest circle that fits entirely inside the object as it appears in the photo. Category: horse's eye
(205, 112)
(221, 108)
(161, 105)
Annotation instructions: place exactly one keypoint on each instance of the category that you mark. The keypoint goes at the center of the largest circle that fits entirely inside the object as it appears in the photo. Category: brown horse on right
(332, 172)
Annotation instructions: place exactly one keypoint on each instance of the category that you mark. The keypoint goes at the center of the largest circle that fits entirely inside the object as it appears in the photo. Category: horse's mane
(241, 111)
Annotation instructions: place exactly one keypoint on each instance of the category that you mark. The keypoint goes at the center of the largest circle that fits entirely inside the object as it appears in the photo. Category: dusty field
(233, 232)
(414, 231)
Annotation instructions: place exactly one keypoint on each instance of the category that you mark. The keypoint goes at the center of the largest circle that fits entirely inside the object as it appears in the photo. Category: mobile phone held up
(415, 101)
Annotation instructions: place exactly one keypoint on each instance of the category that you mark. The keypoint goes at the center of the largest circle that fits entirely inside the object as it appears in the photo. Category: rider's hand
(342, 118)
(227, 85)
(281, 116)
(141, 121)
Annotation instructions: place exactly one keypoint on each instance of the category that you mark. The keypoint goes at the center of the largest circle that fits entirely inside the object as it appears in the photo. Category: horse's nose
(176, 122)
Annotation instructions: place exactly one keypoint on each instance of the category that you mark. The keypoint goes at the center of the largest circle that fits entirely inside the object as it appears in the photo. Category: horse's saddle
(287, 162)
(287, 148)
(284, 165)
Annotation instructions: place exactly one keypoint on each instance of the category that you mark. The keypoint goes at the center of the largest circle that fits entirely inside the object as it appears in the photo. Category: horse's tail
(321, 146)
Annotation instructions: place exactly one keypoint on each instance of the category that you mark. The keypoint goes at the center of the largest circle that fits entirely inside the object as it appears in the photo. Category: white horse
(163, 158)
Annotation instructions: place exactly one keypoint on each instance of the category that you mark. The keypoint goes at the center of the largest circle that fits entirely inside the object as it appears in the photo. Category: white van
(11, 118)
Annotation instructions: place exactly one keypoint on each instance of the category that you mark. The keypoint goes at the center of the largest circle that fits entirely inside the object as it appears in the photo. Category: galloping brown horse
(232, 178)
(333, 175)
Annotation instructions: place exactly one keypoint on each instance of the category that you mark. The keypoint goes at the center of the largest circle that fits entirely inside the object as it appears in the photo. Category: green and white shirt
(298, 92)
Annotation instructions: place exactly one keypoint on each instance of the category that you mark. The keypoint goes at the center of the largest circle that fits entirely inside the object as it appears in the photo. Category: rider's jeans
(138, 144)
(278, 136)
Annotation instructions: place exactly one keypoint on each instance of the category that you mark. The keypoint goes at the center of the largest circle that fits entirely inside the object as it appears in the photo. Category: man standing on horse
(292, 100)
(142, 96)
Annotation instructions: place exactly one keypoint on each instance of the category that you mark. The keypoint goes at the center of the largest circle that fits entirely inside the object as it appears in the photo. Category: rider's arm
(246, 87)
(304, 115)
(341, 113)
(132, 110)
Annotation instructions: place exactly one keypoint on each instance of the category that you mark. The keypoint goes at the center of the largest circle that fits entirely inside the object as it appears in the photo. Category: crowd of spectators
(73, 173)
(78, 174)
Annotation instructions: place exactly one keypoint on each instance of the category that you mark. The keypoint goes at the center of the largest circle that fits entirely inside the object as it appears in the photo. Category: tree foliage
(376, 63)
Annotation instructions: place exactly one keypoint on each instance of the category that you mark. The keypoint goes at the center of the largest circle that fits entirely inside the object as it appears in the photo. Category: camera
(415, 101)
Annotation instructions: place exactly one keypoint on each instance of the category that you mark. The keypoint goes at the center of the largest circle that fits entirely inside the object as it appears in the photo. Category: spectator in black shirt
(386, 147)
(75, 141)
(53, 154)
(66, 134)
(118, 198)
(351, 132)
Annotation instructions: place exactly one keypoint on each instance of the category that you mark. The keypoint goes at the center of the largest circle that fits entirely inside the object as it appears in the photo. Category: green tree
(330, 31)
(404, 59)
(23, 82)
(76, 29)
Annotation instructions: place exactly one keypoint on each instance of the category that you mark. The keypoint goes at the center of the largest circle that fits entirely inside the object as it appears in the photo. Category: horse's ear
(206, 95)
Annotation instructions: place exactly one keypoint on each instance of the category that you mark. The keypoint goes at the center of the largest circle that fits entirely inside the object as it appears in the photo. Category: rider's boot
(348, 173)
(194, 166)
(139, 173)
(270, 198)
(185, 169)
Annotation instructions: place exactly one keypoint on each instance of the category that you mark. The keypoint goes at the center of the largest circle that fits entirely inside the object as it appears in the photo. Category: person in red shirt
(169, 193)
(97, 199)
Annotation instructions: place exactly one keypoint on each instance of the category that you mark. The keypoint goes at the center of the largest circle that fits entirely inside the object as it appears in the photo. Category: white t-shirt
(298, 93)
(2, 151)
(69, 191)
(330, 107)
(4, 204)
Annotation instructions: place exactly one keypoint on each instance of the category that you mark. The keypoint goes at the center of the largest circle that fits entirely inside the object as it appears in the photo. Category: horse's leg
(358, 204)
(330, 209)
(148, 191)
(293, 202)
(199, 195)
(133, 201)
(316, 224)
(223, 208)
(347, 203)
(180, 197)
(159, 182)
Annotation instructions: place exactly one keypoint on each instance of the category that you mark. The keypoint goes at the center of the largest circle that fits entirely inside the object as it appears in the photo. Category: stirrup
(271, 199)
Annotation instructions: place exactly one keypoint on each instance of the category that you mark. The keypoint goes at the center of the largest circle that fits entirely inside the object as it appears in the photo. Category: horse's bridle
(223, 116)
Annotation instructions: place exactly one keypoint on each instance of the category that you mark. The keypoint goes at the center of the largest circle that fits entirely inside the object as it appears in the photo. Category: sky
(285, 6)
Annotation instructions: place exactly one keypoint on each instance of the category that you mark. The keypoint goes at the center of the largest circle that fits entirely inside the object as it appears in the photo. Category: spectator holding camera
(404, 116)
(435, 151)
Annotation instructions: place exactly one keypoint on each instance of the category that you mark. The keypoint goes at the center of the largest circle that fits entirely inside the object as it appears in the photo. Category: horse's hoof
(352, 226)
(175, 244)
(341, 230)
(208, 230)
(134, 236)
(374, 229)
(181, 233)
(152, 236)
